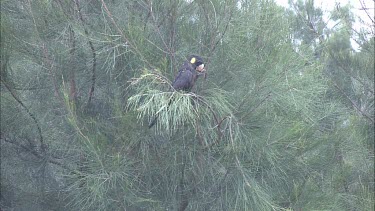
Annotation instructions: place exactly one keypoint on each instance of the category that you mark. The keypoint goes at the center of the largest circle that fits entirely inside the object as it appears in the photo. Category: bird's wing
(183, 79)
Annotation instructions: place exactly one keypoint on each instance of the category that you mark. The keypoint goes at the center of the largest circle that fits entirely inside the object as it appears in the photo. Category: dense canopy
(282, 118)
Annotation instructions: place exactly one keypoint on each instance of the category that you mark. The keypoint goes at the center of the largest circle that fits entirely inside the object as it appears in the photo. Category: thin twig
(347, 71)
(363, 5)
(157, 27)
(127, 41)
(220, 134)
(255, 107)
(36, 154)
(355, 106)
(47, 59)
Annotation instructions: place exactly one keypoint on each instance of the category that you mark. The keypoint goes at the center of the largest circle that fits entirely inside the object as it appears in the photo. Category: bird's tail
(152, 123)
(154, 120)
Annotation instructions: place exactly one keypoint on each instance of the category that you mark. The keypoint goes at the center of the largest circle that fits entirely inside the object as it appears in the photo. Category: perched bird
(188, 73)
(186, 77)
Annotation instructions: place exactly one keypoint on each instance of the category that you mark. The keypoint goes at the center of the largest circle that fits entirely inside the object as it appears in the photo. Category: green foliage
(174, 109)
(283, 121)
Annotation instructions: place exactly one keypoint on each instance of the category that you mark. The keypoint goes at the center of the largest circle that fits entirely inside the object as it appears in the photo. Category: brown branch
(42, 144)
(29, 149)
(363, 5)
(37, 155)
(53, 76)
(93, 52)
(47, 59)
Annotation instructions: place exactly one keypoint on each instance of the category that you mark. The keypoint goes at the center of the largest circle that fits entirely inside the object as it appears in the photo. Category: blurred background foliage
(283, 120)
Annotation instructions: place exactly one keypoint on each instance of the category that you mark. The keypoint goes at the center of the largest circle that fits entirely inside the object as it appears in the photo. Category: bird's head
(197, 63)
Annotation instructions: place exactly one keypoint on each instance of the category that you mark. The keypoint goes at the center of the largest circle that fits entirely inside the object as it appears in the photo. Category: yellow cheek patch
(192, 60)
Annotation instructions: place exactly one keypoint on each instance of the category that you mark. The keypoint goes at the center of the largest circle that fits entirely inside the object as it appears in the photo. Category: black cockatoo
(187, 75)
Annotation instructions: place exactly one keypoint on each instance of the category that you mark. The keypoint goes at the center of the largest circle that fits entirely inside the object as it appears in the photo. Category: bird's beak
(200, 68)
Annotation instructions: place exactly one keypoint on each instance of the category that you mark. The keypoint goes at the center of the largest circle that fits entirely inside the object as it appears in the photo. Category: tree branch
(93, 52)
(42, 144)
(127, 41)
(37, 155)
(347, 71)
(355, 106)
(255, 107)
